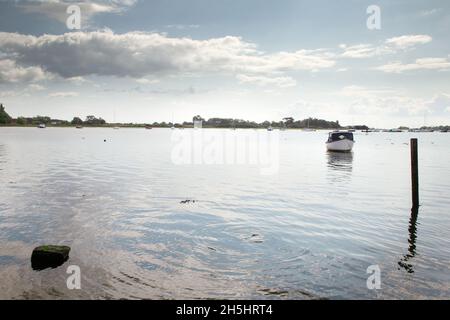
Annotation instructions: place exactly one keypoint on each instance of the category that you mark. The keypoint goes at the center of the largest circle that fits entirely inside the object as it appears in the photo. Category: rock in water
(49, 256)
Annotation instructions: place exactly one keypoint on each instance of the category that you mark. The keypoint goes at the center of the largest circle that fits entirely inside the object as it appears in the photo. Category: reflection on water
(2, 151)
(412, 229)
(340, 165)
(342, 161)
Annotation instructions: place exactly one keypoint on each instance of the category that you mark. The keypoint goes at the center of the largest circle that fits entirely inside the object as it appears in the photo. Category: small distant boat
(79, 127)
(340, 141)
(269, 128)
(41, 126)
(116, 128)
(148, 127)
(444, 130)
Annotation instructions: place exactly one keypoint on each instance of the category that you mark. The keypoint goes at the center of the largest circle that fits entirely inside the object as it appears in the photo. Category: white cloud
(10, 72)
(36, 87)
(390, 46)
(138, 54)
(56, 9)
(360, 91)
(430, 12)
(183, 26)
(63, 94)
(147, 81)
(408, 41)
(419, 64)
(7, 94)
(439, 104)
(77, 80)
(386, 101)
(282, 82)
(364, 51)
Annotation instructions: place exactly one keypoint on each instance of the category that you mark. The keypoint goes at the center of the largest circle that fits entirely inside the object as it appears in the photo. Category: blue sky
(148, 61)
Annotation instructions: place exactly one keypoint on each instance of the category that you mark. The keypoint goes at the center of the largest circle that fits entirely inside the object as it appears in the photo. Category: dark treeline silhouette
(24, 121)
(91, 120)
(288, 122)
(4, 117)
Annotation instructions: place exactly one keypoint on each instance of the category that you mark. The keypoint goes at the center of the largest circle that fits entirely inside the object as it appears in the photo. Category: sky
(168, 60)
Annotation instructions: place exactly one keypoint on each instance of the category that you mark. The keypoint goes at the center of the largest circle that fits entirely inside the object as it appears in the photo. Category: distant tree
(21, 121)
(92, 120)
(76, 121)
(40, 119)
(197, 118)
(4, 117)
(358, 127)
(288, 121)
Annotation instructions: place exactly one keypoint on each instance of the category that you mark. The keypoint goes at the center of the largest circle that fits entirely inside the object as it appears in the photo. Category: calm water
(309, 231)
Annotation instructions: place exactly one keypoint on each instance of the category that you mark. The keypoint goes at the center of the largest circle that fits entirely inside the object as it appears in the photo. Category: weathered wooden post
(414, 173)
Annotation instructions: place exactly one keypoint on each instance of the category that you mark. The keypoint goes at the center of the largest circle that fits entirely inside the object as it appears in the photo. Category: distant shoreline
(110, 126)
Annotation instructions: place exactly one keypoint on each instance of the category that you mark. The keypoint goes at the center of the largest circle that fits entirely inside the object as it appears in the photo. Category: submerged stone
(49, 256)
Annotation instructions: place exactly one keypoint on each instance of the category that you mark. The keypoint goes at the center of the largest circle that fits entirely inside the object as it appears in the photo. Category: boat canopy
(337, 136)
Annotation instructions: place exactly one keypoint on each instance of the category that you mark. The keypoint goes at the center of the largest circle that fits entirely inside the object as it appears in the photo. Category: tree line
(91, 120)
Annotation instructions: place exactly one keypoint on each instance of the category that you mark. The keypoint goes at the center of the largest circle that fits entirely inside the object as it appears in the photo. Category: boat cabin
(337, 136)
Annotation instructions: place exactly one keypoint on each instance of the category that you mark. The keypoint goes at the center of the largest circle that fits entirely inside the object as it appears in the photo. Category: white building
(198, 124)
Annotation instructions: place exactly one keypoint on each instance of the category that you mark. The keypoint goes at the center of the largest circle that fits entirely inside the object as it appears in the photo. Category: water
(310, 231)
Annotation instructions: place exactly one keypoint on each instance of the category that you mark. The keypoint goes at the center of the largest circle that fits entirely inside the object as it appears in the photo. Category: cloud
(360, 91)
(10, 72)
(77, 80)
(373, 101)
(363, 51)
(390, 102)
(439, 104)
(36, 87)
(183, 26)
(57, 9)
(22, 92)
(282, 82)
(430, 12)
(420, 64)
(408, 41)
(147, 81)
(63, 94)
(138, 54)
(390, 46)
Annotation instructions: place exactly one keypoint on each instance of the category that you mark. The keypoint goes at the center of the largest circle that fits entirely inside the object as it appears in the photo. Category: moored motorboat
(340, 141)
(41, 126)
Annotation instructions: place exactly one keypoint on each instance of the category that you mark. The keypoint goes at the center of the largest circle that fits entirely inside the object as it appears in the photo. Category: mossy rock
(49, 256)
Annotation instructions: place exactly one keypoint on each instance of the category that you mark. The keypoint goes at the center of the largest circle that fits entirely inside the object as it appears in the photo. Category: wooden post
(414, 173)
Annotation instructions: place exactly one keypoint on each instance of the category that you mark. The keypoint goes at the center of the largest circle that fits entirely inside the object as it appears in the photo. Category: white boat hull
(342, 145)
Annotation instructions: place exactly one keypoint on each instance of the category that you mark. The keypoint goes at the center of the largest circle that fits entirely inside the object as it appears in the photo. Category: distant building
(198, 124)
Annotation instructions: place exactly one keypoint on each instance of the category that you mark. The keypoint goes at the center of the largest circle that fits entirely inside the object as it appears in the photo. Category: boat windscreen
(336, 136)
